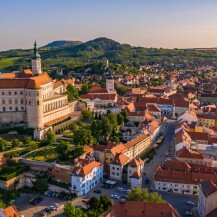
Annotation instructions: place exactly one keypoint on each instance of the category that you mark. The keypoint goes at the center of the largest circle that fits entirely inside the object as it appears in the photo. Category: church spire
(36, 61)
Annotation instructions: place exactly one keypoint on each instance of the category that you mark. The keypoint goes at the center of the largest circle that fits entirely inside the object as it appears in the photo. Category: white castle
(33, 98)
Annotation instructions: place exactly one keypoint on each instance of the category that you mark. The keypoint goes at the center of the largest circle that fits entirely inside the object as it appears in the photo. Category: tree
(73, 127)
(121, 90)
(106, 202)
(86, 115)
(139, 194)
(83, 137)
(120, 119)
(84, 88)
(95, 129)
(78, 151)
(71, 211)
(72, 93)
(15, 143)
(125, 115)
(106, 126)
(63, 150)
(27, 140)
(3, 144)
(40, 185)
(50, 137)
(113, 119)
(94, 203)
(114, 139)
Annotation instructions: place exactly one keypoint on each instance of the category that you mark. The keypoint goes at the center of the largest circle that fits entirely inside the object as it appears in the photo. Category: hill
(56, 44)
(78, 56)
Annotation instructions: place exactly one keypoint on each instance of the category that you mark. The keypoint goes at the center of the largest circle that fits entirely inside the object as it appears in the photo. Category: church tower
(36, 62)
(110, 86)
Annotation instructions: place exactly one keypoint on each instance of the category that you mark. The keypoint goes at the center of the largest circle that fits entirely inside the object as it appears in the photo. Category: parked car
(188, 213)
(121, 189)
(97, 191)
(190, 203)
(115, 196)
(36, 201)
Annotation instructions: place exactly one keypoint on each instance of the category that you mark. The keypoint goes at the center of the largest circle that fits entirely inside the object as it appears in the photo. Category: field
(8, 62)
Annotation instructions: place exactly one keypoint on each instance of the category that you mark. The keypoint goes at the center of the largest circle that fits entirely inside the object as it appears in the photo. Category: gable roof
(208, 187)
(135, 141)
(11, 211)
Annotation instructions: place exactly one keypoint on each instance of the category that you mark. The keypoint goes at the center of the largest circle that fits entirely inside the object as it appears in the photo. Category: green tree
(50, 137)
(121, 90)
(106, 126)
(72, 93)
(77, 151)
(83, 137)
(73, 127)
(125, 115)
(15, 143)
(139, 194)
(114, 139)
(71, 211)
(40, 185)
(120, 119)
(95, 203)
(84, 88)
(106, 202)
(27, 140)
(3, 144)
(63, 150)
(86, 115)
(113, 119)
(95, 129)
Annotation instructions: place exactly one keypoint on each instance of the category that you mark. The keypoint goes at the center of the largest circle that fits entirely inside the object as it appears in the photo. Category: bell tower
(36, 61)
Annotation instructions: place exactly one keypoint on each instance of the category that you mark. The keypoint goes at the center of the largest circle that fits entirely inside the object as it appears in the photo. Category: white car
(188, 213)
(115, 196)
(121, 189)
(190, 203)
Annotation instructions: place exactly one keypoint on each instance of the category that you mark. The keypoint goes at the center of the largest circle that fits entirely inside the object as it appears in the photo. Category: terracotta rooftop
(136, 162)
(188, 153)
(208, 187)
(141, 209)
(103, 96)
(120, 159)
(11, 211)
(96, 89)
(117, 149)
(153, 108)
(87, 169)
(136, 140)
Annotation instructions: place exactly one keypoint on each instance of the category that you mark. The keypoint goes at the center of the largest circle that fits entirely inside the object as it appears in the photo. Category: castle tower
(36, 62)
(110, 86)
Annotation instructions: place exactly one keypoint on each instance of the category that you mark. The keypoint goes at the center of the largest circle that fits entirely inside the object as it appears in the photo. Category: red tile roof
(11, 211)
(208, 187)
(141, 209)
(188, 153)
(104, 96)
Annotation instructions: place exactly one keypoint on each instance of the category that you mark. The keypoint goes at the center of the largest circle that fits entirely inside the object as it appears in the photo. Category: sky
(147, 23)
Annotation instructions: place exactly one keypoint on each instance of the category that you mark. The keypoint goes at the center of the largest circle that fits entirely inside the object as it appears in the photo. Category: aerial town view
(108, 108)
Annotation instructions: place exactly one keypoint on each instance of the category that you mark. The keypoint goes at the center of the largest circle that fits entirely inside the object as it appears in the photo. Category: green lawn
(47, 154)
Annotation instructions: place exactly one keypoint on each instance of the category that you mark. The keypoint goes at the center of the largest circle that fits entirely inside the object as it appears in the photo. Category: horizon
(159, 24)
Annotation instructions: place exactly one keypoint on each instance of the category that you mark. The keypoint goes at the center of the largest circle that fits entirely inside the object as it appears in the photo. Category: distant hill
(73, 55)
(63, 43)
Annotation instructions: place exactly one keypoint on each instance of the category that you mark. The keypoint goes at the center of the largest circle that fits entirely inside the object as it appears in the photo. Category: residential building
(141, 209)
(207, 200)
(208, 120)
(85, 177)
(182, 177)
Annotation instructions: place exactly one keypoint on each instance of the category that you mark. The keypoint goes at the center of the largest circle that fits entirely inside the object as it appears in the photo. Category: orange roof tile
(120, 159)
(11, 211)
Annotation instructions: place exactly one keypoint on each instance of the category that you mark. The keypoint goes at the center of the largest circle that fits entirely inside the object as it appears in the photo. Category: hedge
(20, 130)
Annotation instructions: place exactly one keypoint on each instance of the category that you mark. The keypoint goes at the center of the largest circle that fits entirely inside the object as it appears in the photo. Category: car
(128, 190)
(121, 189)
(97, 191)
(46, 193)
(43, 213)
(188, 213)
(115, 196)
(190, 203)
(53, 208)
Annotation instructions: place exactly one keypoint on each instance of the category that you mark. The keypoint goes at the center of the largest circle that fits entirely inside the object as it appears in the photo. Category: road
(176, 200)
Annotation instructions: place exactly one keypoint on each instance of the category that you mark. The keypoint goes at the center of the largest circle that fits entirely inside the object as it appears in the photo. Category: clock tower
(36, 62)
(110, 86)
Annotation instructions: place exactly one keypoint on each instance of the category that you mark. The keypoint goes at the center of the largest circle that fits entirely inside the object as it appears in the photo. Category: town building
(182, 177)
(86, 176)
(141, 209)
(30, 98)
(10, 211)
(207, 200)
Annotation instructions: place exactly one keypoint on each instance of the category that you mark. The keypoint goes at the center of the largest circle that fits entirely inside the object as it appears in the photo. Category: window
(22, 108)
(37, 102)
(9, 93)
(4, 109)
(113, 173)
(3, 93)
(15, 101)
(21, 101)
(117, 174)
(117, 168)
(15, 93)
(113, 168)
(21, 93)
(10, 101)
(16, 108)
(10, 108)
(29, 102)
(3, 101)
